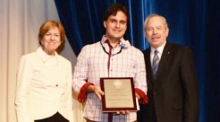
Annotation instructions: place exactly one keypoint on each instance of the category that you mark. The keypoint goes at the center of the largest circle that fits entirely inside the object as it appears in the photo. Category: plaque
(119, 94)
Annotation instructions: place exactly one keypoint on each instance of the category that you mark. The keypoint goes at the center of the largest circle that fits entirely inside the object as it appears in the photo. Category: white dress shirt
(43, 87)
(160, 51)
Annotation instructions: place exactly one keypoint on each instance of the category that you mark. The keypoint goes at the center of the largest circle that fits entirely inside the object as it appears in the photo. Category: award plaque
(119, 94)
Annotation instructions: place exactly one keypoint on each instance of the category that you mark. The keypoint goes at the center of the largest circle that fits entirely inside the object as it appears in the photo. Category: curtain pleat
(194, 23)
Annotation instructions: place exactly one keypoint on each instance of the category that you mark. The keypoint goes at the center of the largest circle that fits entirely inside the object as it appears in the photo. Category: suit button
(56, 85)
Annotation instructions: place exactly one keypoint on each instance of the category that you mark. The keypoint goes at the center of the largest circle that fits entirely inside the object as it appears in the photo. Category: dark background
(194, 23)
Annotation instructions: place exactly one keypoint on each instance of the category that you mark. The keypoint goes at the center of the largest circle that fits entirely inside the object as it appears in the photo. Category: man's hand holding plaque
(119, 95)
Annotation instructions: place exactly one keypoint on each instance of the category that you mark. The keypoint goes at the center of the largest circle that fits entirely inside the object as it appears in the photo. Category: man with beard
(171, 76)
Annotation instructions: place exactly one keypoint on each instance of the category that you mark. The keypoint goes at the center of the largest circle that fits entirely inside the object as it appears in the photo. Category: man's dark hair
(113, 9)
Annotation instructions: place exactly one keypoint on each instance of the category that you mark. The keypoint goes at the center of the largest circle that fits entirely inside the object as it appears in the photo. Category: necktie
(155, 63)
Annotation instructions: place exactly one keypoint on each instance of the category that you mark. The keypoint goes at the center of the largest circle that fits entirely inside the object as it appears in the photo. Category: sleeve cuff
(82, 93)
(144, 98)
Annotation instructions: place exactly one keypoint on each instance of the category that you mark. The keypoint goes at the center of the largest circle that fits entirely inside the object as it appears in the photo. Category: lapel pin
(168, 52)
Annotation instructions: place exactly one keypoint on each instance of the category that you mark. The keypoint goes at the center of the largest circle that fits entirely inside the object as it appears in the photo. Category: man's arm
(189, 78)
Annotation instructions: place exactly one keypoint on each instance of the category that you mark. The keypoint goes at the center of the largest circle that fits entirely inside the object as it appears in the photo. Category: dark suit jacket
(173, 95)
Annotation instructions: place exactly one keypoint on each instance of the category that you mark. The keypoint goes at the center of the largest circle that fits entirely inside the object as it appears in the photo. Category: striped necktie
(155, 63)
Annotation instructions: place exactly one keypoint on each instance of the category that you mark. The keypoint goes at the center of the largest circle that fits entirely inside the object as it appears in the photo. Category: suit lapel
(163, 64)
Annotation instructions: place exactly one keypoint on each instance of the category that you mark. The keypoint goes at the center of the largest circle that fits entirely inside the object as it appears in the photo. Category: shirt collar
(123, 43)
(44, 56)
(159, 49)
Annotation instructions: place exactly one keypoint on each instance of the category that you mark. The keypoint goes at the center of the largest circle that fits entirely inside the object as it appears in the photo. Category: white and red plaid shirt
(92, 64)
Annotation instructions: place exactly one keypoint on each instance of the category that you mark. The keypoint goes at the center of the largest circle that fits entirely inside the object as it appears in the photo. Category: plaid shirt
(92, 63)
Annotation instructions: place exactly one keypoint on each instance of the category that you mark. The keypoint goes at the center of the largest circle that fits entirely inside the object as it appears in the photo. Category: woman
(44, 80)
